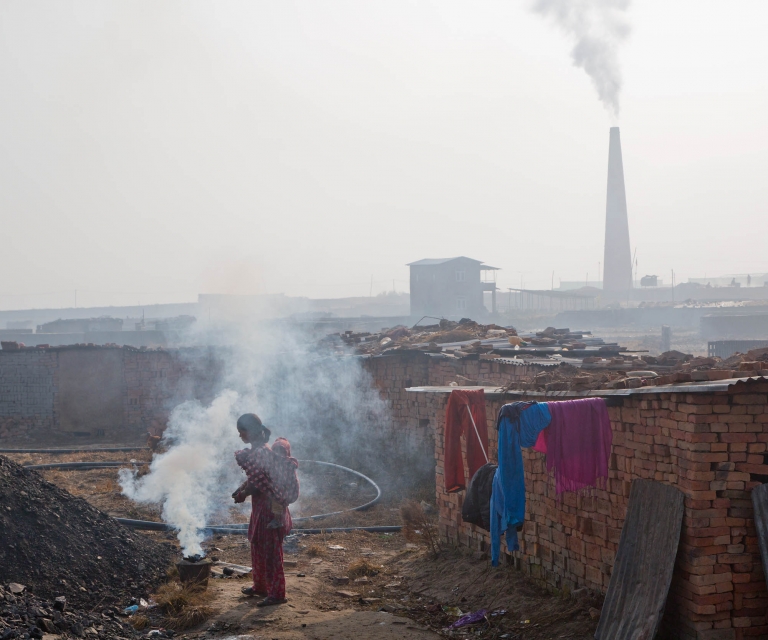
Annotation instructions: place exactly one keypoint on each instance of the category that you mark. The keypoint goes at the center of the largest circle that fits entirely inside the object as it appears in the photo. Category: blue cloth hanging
(508, 495)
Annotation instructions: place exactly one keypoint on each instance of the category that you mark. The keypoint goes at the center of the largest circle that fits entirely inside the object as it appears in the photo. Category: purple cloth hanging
(577, 443)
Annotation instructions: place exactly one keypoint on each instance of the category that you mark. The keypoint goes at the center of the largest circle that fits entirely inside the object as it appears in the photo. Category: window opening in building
(461, 276)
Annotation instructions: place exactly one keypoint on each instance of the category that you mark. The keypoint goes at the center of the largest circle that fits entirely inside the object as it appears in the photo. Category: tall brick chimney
(617, 264)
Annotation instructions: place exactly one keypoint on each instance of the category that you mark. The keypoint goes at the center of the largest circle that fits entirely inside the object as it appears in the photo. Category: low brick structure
(118, 393)
(115, 393)
(394, 374)
(707, 440)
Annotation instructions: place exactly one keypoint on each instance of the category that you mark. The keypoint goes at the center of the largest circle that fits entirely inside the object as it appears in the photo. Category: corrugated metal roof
(430, 262)
(645, 561)
(541, 362)
(685, 387)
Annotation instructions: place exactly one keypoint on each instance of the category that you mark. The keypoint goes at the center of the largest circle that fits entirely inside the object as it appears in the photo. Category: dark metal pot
(194, 572)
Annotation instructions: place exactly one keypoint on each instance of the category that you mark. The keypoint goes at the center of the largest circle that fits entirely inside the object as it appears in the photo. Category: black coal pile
(59, 545)
(24, 615)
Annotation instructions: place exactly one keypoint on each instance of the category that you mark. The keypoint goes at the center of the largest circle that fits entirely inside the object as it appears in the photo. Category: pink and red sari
(270, 476)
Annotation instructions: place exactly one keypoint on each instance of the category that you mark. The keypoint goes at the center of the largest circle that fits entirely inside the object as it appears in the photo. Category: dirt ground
(411, 595)
(412, 587)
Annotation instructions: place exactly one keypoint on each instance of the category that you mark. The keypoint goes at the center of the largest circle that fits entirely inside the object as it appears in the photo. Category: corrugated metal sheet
(760, 503)
(685, 387)
(644, 564)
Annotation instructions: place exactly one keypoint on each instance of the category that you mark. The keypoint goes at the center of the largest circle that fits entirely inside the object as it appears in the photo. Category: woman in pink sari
(273, 485)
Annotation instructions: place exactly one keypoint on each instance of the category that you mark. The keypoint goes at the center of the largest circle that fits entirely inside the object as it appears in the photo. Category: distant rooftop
(431, 262)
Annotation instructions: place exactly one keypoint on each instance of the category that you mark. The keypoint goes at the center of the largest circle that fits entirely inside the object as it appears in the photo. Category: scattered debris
(470, 618)
(26, 615)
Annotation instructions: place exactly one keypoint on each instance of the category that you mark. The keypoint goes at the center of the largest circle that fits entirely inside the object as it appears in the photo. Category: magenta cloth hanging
(577, 443)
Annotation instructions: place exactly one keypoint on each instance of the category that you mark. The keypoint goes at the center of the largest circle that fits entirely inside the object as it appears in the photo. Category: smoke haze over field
(156, 150)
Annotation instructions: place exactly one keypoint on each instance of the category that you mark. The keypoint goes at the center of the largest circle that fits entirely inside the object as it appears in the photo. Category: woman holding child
(273, 485)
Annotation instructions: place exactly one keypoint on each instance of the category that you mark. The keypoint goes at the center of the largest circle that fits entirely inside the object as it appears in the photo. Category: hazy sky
(150, 151)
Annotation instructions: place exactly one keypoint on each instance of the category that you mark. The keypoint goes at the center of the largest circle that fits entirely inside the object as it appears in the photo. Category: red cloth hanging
(458, 423)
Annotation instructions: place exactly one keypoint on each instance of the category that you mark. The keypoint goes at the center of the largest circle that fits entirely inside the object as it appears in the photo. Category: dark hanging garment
(477, 503)
(512, 411)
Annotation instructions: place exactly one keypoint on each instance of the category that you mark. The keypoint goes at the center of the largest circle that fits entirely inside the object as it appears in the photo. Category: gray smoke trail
(598, 28)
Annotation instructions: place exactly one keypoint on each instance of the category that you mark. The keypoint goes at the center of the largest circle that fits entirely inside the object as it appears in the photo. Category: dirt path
(318, 607)
(302, 617)
(419, 595)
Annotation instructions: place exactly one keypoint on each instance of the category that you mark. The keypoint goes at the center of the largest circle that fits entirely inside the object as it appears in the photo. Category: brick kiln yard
(700, 428)
(403, 595)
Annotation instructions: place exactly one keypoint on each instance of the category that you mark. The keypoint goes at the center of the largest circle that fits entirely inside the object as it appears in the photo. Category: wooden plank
(637, 591)
(760, 504)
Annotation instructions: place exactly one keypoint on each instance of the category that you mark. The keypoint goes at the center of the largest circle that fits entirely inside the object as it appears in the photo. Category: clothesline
(575, 435)
(477, 433)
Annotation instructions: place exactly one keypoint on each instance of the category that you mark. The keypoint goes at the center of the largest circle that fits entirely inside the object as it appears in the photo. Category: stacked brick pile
(710, 445)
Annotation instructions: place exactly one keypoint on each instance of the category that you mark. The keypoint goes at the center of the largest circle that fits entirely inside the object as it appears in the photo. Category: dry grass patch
(139, 622)
(419, 527)
(362, 567)
(107, 485)
(317, 551)
(184, 606)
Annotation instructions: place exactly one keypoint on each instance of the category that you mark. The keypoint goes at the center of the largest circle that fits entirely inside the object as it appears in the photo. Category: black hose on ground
(54, 451)
(235, 526)
(73, 466)
(146, 525)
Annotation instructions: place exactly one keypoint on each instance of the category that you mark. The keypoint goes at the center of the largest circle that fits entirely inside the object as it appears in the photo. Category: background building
(451, 288)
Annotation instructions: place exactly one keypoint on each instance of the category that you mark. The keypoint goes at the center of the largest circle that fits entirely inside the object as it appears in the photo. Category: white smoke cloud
(597, 28)
(193, 480)
(324, 403)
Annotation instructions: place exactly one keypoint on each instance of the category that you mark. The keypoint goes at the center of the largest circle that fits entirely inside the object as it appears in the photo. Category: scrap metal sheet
(644, 564)
(760, 504)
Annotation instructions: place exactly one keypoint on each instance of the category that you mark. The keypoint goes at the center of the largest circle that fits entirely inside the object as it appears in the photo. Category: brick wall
(151, 382)
(393, 375)
(710, 445)
(27, 386)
